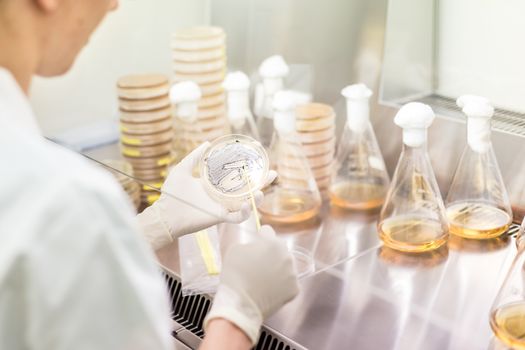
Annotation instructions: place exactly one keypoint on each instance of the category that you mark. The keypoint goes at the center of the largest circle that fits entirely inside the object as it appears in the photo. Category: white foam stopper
(185, 97)
(479, 112)
(235, 81)
(415, 118)
(274, 67)
(237, 87)
(357, 106)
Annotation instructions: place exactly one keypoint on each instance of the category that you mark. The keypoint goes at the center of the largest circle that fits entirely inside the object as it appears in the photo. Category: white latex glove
(257, 278)
(185, 207)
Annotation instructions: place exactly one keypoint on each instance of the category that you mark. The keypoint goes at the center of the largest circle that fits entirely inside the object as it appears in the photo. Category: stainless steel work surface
(382, 300)
(364, 296)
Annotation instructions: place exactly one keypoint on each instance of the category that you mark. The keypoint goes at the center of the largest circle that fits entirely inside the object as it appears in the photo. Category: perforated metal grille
(504, 120)
(513, 230)
(267, 341)
(190, 311)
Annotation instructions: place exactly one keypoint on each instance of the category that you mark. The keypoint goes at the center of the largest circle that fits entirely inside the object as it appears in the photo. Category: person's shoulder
(40, 168)
(50, 194)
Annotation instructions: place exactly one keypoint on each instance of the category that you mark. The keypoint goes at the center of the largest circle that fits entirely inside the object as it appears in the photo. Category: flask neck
(415, 138)
(187, 111)
(416, 148)
(357, 114)
(270, 87)
(238, 107)
(284, 122)
(479, 134)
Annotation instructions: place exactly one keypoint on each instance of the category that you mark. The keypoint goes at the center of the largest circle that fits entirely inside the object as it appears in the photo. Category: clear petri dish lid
(234, 167)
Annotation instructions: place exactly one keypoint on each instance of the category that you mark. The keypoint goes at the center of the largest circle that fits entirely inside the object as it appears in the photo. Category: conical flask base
(355, 195)
(412, 234)
(289, 206)
(508, 324)
(477, 220)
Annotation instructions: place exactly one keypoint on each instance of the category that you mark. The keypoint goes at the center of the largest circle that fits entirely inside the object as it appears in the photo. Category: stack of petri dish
(123, 172)
(146, 125)
(199, 55)
(315, 125)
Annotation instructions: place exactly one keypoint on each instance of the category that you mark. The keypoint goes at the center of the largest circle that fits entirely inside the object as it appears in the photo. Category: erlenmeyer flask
(272, 70)
(185, 97)
(294, 197)
(507, 315)
(237, 87)
(413, 216)
(477, 204)
(360, 178)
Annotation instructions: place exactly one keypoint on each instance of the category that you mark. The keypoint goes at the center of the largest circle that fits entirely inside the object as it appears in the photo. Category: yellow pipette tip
(207, 253)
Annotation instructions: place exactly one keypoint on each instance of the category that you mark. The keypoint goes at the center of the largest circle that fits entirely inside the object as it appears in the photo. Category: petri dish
(323, 181)
(146, 116)
(212, 101)
(315, 124)
(149, 162)
(312, 111)
(201, 78)
(146, 128)
(198, 32)
(144, 92)
(198, 38)
(145, 105)
(145, 151)
(233, 168)
(152, 173)
(319, 161)
(323, 171)
(147, 139)
(212, 112)
(199, 55)
(199, 67)
(211, 89)
(149, 197)
(317, 136)
(320, 148)
(140, 81)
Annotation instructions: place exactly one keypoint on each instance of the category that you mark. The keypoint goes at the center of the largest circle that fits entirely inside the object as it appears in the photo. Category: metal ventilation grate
(190, 311)
(504, 120)
(513, 230)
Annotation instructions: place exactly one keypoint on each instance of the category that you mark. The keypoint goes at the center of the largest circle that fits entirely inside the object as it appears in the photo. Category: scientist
(74, 271)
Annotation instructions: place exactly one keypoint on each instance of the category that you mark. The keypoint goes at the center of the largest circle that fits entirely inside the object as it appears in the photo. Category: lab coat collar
(15, 109)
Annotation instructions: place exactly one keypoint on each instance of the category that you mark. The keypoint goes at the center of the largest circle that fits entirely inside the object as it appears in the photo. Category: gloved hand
(185, 207)
(256, 279)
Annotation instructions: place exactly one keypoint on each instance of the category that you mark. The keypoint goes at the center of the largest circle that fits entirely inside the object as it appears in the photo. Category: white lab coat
(74, 270)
